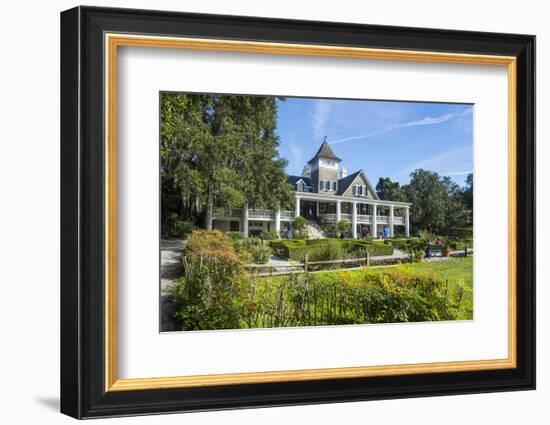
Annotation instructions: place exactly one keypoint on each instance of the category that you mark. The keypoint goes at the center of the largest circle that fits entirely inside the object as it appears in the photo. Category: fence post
(368, 259)
(465, 250)
(305, 262)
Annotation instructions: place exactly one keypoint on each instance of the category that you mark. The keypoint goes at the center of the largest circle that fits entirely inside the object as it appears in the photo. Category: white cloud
(319, 118)
(296, 160)
(447, 159)
(423, 121)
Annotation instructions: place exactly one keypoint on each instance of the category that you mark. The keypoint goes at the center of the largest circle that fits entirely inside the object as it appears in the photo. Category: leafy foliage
(367, 296)
(212, 289)
(268, 235)
(389, 190)
(438, 203)
(344, 226)
(299, 230)
(219, 150)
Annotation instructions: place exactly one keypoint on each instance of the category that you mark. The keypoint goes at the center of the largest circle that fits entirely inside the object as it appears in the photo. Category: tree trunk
(209, 214)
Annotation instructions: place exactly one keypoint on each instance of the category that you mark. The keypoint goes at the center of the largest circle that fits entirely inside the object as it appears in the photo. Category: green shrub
(211, 292)
(184, 228)
(320, 241)
(260, 253)
(373, 248)
(268, 235)
(299, 228)
(457, 244)
(460, 232)
(235, 236)
(252, 250)
(343, 226)
(329, 249)
(282, 248)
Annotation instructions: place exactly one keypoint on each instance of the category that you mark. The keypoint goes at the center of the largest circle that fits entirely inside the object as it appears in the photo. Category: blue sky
(385, 139)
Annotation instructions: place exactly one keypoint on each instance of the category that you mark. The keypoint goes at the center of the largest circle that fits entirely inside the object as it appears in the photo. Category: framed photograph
(261, 212)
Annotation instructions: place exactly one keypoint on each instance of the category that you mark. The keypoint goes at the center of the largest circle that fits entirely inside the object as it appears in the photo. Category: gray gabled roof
(345, 183)
(324, 152)
(295, 179)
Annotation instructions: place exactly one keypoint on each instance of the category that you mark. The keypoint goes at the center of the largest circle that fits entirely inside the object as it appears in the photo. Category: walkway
(171, 268)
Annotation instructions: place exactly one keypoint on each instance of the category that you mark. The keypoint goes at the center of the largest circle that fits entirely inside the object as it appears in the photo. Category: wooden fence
(306, 266)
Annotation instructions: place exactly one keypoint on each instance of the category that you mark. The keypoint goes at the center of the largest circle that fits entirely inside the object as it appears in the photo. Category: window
(360, 190)
(334, 185)
(299, 187)
(354, 190)
(327, 184)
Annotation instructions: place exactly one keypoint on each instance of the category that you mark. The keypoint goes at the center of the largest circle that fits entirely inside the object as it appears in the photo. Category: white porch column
(278, 222)
(338, 211)
(297, 211)
(245, 220)
(354, 220)
(373, 227)
(391, 221)
(407, 222)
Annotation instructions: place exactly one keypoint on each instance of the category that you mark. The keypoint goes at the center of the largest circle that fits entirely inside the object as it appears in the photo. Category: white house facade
(325, 193)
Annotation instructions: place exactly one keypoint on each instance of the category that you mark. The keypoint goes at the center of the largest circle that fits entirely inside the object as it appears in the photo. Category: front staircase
(314, 230)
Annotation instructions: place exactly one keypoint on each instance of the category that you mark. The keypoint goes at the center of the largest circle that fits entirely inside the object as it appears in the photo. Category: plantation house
(325, 192)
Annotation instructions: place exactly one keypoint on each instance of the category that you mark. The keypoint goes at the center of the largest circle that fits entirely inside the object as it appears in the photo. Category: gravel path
(170, 269)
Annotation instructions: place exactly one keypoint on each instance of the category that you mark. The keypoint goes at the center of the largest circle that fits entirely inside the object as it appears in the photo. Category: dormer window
(359, 190)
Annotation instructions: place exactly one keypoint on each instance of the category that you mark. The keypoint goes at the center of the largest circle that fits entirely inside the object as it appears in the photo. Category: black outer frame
(82, 212)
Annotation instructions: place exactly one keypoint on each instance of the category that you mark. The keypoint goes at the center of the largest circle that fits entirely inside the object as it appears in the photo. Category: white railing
(347, 217)
(382, 219)
(228, 212)
(328, 217)
(270, 214)
(399, 220)
(363, 218)
(285, 214)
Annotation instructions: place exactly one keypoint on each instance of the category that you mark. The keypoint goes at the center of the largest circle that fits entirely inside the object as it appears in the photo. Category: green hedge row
(329, 249)
(460, 232)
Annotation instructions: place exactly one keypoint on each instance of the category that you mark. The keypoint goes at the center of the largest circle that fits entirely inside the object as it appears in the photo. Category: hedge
(328, 249)
(282, 248)
(460, 232)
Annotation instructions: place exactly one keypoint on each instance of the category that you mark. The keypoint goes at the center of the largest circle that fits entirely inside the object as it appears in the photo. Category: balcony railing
(287, 214)
(330, 218)
(347, 217)
(252, 213)
(399, 220)
(269, 214)
(362, 218)
(228, 212)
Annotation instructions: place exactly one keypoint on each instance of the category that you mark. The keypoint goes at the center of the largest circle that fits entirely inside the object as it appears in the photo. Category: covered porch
(368, 217)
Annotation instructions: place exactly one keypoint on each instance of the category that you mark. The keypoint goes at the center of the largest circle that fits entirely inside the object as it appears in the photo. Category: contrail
(423, 121)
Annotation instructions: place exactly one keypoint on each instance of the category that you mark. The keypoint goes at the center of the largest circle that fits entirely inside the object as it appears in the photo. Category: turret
(324, 169)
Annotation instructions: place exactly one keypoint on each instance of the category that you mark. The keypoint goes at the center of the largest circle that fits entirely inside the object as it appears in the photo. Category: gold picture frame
(114, 41)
